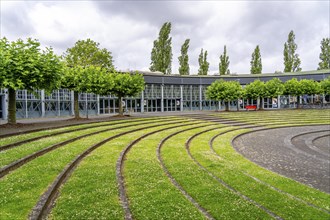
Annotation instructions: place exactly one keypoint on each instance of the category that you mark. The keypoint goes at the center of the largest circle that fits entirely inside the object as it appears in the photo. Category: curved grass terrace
(172, 167)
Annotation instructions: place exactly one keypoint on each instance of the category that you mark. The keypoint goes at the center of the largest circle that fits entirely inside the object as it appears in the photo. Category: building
(162, 93)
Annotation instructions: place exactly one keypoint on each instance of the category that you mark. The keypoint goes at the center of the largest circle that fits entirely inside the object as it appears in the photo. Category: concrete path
(300, 153)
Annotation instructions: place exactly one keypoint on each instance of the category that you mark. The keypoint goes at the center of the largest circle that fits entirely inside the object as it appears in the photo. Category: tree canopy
(87, 70)
(274, 88)
(309, 87)
(126, 84)
(203, 64)
(161, 54)
(292, 87)
(25, 66)
(224, 63)
(325, 86)
(325, 54)
(291, 58)
(184, 58)
(256, 65)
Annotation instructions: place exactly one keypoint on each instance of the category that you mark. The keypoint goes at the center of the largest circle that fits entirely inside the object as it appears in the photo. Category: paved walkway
(300, 153)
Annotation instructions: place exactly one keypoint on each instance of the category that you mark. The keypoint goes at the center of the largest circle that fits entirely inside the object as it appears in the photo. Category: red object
(251, 107)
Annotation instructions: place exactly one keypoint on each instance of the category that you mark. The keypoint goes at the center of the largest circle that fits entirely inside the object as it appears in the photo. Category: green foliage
(325, 85)
(256, 65)
(255, 90)
(184, 59)
(224, 63)
(291, 58)
(292, 87)
(86, 53)
(203, 64)
(310, 87)
(91, 79)
(325, 54)
(274, 88)
(224, 90)
(161, 54)
(24, 66)
(126, 84)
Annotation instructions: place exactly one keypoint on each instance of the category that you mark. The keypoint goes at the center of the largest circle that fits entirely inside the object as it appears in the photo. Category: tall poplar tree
(256, 65)
(325, 54)
(184, 58)
(161, 54)
(224, 63)
(291, 58)
(203, 64)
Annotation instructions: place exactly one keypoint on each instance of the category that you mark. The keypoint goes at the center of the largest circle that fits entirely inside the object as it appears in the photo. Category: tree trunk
(227, 106)
(11, 106)
(261, 106)
(121, 112)
(76, 104)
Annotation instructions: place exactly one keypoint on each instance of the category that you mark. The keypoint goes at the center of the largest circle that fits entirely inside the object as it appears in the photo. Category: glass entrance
(172, 105)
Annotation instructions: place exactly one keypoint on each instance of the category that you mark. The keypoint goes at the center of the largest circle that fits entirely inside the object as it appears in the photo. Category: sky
(128, 28)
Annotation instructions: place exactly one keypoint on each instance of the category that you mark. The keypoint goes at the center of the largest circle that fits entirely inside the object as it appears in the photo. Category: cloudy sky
(128, 29)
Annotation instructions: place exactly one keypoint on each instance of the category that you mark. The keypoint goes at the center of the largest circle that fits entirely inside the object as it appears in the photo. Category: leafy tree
(161, 54)
(255, 90)
(274, 88)
(126, 84)
(309, 87)
(24, 66)
(292, 87)
(291, 58)
(224, 63)
(227, 91)
(88, 52)
(83, 54)
(203, 64)
(256, 65)
(325, 86)
(325, 54)
(184, 59)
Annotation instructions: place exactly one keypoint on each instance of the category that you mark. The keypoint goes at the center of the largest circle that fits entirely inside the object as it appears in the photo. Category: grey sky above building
(128, 29)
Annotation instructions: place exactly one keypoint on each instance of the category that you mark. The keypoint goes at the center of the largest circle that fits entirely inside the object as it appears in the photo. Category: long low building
(162, 93)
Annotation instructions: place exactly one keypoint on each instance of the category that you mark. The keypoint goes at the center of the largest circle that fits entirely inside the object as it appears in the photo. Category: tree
(227, 91)
(161, 54)
(24, 66)
(83, 54)
(292, 87)
(184, 59)
(256, 65)
(203, 64)
(274, 88)
(310, 87)
(255, 90)
(325, 54)
(224, 63)
(291, 58)
(126, 84)
(325, 86)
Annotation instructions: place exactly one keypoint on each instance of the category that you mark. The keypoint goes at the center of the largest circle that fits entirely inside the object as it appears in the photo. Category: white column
(200, 97)
(72, 103)
(181, 98)
(142, 102)
(26, 102)
(98, 104)
(162, 98)
(43, 109)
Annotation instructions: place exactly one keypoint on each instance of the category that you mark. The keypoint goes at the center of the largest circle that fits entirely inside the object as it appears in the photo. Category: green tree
(161, 54)
(274, 88)
(325, 86)
(325, 54)
(25, 66)
(291, 58)
(292, 87)
(203, 64)
(256, 65)
(184, 59)
(126, 84)
(224, 63)
(310, 87)
(83, 54)
(226, 91)
(255, 90)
